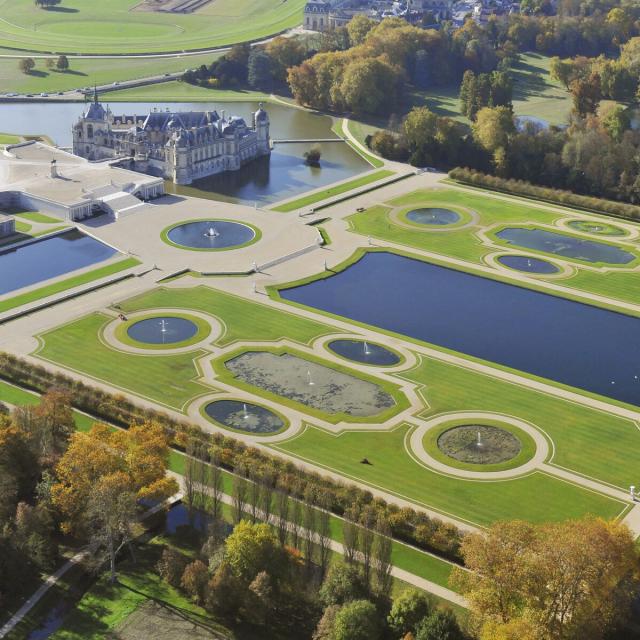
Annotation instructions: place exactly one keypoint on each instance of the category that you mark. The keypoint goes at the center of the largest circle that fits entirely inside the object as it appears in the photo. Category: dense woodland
(368, 69)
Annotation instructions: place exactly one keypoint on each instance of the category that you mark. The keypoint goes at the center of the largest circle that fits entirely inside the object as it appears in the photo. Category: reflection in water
(573, 343)
(263, 181)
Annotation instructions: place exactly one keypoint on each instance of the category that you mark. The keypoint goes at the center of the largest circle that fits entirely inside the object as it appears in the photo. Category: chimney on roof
(54, 169)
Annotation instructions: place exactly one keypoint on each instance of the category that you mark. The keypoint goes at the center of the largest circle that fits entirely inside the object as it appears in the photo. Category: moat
(263, 181)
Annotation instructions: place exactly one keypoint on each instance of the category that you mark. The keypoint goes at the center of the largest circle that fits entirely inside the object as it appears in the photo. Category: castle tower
(95, 119)
(261, 127)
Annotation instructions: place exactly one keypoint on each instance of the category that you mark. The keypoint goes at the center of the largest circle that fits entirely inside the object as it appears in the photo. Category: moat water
(267, 180)
(545, 335)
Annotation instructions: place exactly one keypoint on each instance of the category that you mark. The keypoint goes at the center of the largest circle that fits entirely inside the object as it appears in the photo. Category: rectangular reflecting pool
(565, 245)
(569, 342)
(48, 258)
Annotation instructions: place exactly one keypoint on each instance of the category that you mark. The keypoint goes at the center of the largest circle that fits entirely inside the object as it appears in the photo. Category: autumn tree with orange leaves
(102, 476)
(556, 581)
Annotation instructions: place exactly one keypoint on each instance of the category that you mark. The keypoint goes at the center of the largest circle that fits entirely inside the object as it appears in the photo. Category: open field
(93, 71)
(113, 27)
(469, 244)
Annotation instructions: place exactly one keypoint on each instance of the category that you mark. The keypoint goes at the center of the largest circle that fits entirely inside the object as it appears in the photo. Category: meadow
(115, 27)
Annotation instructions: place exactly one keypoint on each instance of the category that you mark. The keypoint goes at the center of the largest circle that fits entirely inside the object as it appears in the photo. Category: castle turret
(261, 127)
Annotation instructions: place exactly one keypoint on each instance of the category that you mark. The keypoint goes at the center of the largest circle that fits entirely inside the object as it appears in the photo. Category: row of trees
(414, 527)
(61, 63)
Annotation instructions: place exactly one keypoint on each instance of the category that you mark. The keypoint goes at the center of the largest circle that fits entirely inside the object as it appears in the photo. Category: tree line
(407, 524)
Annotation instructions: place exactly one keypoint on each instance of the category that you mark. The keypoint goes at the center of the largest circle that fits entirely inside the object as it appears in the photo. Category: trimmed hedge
(554, 196)
(407, 524)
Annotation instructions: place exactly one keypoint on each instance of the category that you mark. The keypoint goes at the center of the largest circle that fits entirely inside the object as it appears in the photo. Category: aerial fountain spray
(212, 232)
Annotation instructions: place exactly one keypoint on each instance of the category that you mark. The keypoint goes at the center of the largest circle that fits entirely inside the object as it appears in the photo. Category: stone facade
(179, 146)
(326, 15)
(7, 226)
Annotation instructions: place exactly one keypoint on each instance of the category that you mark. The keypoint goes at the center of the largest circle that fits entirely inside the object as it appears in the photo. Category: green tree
(260, 70)
(253, 548)
(342, 583)
(439, 625)
(357, 620)
(492, 128)
(616, 121)
(26, 65)
(62, 63)
(358, 28)
(370, 85)
(407, 611)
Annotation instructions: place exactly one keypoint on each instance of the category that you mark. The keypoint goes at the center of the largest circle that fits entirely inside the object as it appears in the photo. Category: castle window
(90, 131)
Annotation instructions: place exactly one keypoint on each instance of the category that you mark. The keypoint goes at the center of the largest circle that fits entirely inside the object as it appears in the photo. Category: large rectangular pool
(49, 258)
(569, 342)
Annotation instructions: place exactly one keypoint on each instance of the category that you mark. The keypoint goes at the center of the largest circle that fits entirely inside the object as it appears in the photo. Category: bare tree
(368, 521)
(309, 520)
(282, 510)
(350, 531)
(382, 547)
(189, 476)
(324, 531)
(254, 494)
(266, 495)
(239, 493)
(215, 478)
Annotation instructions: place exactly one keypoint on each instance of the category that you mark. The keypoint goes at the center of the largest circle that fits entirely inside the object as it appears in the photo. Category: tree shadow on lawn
(62, 9)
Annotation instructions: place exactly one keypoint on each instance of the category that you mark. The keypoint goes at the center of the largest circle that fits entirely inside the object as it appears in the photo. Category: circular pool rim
(203, 331)
(557, 268)
(164, 234)
(286, 423)
(401, 358)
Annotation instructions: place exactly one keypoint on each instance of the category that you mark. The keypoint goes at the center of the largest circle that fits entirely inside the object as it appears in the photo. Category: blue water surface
(572, 343)
(49, 258)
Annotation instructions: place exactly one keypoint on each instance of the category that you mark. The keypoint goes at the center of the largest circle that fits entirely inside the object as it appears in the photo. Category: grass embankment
(464, 243)
(169, 379)
(117, 27)
(66, 284)
(177, 91)
(339, 189)
(8, 138)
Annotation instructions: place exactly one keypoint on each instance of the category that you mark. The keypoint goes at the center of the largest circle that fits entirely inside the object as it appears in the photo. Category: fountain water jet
(311, 382)
(245, 411)
(212, 232)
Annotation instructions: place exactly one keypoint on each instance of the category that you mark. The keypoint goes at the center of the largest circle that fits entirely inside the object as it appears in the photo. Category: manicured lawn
(68, 283)
(115, 27)
(305, 201)
(243, 319)
(465, 245)
(169, 379)
(537, 497)
(36, 216)
(166, 379)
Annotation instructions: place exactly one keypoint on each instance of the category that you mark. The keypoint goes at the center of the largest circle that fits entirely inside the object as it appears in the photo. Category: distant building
(325, 15)
(7, 225)
(179, 146)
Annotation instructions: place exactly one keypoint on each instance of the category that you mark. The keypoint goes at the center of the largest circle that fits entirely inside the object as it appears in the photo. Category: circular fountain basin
(479, 444)
(529, 264)
(433, 216)
(600, 228)
(243, 416)
(162, 330)
(209, 235)
(365, 352)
